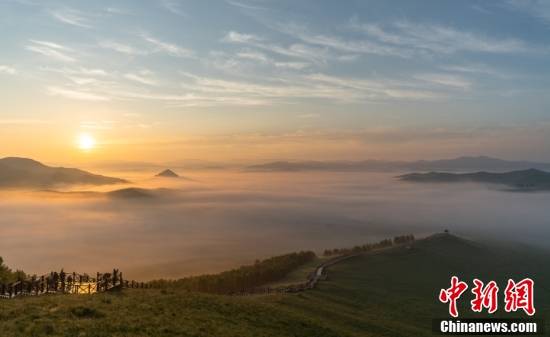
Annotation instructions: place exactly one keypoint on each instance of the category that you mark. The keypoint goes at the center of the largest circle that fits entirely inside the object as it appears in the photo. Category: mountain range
(27, 173)
(460, 164)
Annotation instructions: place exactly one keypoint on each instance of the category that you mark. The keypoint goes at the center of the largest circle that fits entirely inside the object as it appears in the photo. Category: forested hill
(531, 179)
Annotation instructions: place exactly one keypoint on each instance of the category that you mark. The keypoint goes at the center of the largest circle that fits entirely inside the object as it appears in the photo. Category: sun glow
(86, 142)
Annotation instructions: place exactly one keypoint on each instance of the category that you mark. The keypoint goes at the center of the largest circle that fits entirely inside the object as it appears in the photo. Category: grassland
(389, 293)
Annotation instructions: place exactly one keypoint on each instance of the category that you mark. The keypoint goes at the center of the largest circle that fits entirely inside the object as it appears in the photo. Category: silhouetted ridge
(530, 179)
(28, 173)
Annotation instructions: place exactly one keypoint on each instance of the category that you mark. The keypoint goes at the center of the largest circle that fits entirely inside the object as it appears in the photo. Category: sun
(86, 142)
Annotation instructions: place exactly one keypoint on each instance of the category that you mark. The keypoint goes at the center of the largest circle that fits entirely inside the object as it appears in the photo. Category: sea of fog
(216, 220)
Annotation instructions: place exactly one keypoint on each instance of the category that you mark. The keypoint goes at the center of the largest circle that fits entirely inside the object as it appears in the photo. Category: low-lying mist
(216, 220)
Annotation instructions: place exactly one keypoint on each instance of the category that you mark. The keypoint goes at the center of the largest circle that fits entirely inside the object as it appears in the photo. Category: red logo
(485, 297)
(452, 294)
(518, 295)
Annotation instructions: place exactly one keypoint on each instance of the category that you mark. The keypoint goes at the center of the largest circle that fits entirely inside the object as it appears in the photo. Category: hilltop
(530, 179)
(167, 174)
(28, 173)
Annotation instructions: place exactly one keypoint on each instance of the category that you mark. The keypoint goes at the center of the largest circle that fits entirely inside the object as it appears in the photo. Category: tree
(7, 275)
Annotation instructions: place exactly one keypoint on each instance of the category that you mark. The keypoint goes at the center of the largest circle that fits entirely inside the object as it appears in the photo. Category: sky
(257, 80)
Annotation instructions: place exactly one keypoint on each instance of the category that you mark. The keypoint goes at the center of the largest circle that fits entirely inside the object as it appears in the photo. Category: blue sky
(385, 76)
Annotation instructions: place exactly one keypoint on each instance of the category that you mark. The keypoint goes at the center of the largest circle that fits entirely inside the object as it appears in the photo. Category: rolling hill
(27, 173)
(389, 293)
(530, 179)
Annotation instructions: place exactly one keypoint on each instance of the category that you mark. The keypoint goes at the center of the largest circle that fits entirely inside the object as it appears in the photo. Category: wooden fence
(68, 283)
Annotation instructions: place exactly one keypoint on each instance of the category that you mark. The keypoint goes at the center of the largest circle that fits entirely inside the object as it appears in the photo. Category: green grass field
(389, 293)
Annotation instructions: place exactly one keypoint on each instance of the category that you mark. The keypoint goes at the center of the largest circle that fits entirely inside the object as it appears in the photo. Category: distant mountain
(530, 179)
(168, 174)
(460, 164)
(27, 173)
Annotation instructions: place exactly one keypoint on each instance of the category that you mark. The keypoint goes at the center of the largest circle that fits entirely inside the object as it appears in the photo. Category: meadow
(387, 293)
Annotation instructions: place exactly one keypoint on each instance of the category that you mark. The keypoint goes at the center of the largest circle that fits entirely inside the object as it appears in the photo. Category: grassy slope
(391, 293)
(300, 274)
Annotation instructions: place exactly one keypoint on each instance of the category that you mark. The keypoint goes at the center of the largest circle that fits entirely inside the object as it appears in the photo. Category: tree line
(244, 278)
(398, 240)
(13, 284)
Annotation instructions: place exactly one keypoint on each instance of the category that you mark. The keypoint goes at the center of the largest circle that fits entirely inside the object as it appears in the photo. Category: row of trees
(59, 282)
(244, 278)
(402, 239)
(399, 240)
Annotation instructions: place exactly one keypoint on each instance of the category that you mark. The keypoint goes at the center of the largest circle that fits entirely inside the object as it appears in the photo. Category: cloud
(173, 6)
(233, 36)
(264, 59)
(377, 90)
(243, 5)
(292, 65)
(296, 50)
(446, 80)
(7, 70)
(409, 38)
(51, 50)
(313, 86)
(537, 8)
(71, 17)
(121, 48)
(75, 94)
(477, 69)
(341, 44)
(169, 48)
(255, 56)
(143, 77)
(81, 71)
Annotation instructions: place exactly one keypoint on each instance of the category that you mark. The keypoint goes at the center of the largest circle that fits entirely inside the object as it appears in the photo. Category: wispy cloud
(71, 17)
(233, 36)
(51, 50)
(169, 48)
(7, 70)
(142, 77)
(537, 8)
(446, 80)
(477, 68)
(264, 59)
(80, 71)
(76, 94)
(174, 6)
(245, 5)
(410, 37)
(341, 44)
(121, 48)
(296, 50)
(314, 86)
